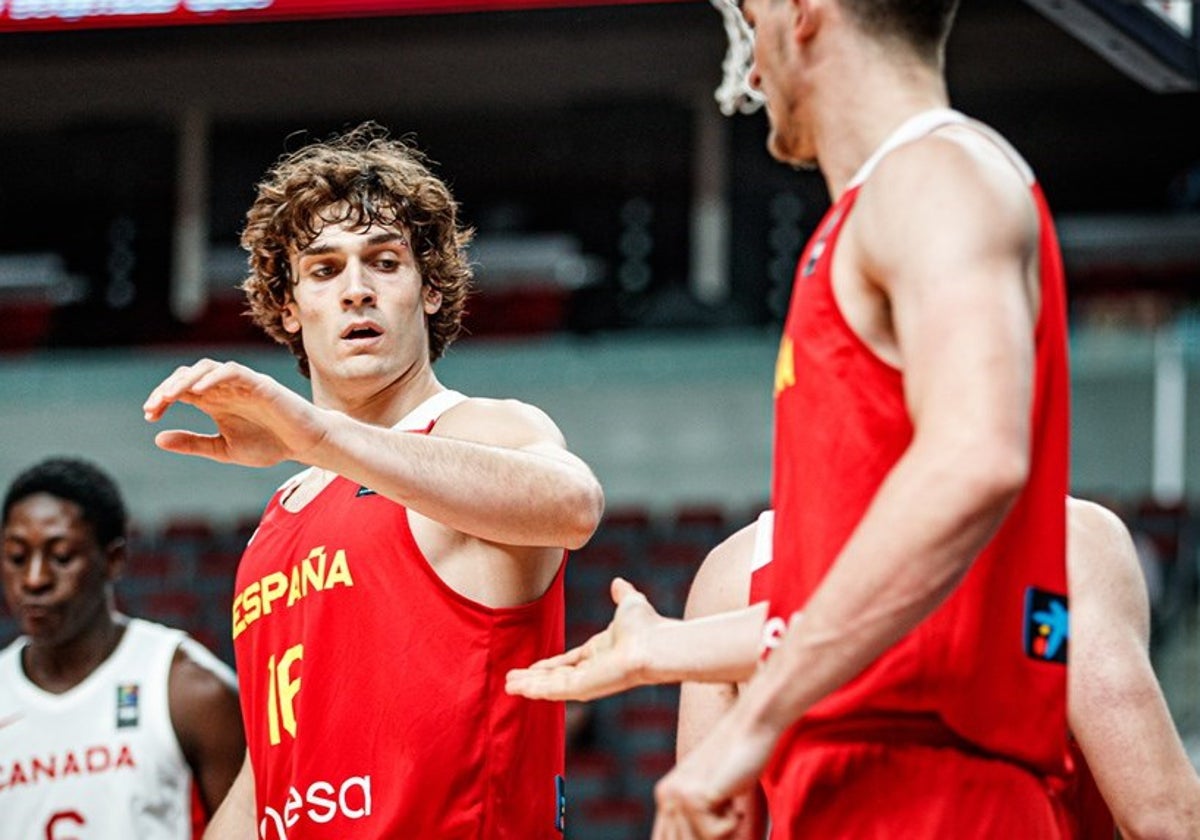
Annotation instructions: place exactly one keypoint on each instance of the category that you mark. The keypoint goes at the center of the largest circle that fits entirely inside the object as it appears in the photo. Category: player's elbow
(994, 473)
(584, 507)
(1168, 820)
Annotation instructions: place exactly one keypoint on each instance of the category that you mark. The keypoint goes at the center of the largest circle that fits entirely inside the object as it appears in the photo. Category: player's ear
(433, 299)
(808, 16)
(115, 555)
(289, 319)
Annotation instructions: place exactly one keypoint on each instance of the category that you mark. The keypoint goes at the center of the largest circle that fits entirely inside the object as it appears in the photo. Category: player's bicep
(951, 246)
(206, 716)
(1109, 619)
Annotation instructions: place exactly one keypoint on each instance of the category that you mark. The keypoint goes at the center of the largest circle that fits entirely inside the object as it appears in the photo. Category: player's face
(55, 576)
(774, 74)
(359, 304)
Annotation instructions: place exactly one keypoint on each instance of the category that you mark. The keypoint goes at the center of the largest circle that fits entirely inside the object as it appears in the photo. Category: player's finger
(535, 685)
(623, 592)
(221, 373)
(713, 825)
(565, 659)
(567, 684)
(169, 389)
(191, 443)
(622, 589)
(558, 684)
(668, 823)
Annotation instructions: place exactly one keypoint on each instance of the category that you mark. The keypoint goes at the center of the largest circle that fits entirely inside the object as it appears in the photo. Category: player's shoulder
(493, 420)
(1100, 546)
(194, 663)
(1092, 519)
(202, 697)
(12, 648)
(947, 196)
(722, 582)
(202, 689)
(963, 162)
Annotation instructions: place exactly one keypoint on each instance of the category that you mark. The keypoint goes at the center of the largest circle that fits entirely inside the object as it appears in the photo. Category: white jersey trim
(420, 417)
(764, 539)
(927, 122)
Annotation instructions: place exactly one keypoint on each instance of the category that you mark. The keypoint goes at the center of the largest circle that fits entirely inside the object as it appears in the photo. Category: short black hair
(924, 25)
(78, 481)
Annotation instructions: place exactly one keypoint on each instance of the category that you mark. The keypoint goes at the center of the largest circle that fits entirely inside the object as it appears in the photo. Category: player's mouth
(362, 332)
(34, 614)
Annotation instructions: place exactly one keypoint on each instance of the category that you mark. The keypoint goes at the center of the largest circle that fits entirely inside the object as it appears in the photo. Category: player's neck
(58, 668)
(378, 403)
(864, 113)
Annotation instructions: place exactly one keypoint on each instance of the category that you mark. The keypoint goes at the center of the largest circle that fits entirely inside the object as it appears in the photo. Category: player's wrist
(323, 441)
(658, 659)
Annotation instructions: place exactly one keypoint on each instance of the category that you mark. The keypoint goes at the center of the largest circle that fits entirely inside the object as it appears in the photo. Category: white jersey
(100, 761)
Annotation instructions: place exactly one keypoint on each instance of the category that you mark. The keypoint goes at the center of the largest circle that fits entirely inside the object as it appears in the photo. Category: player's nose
(357, 290)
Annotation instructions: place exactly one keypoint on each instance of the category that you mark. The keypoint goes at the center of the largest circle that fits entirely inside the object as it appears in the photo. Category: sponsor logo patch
(1047, 625)
(560, 797)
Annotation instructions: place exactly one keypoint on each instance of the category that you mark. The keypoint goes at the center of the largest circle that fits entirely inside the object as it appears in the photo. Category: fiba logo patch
(1047, 625)
(127, 706)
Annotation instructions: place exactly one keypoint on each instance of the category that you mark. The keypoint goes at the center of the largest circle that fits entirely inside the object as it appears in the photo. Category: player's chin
(787, 151)
(359, 366)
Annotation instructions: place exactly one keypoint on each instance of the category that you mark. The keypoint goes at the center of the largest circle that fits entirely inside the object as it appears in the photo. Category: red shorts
(877, 790)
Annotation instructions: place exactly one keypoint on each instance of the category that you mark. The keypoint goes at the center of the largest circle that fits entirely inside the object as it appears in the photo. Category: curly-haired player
(391, 584)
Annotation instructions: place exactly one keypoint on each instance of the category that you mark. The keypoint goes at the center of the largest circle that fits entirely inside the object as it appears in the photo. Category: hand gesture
(612, 661)
(259, 422)
(695, 801)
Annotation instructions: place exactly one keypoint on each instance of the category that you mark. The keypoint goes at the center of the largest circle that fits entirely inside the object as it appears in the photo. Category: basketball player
(392, 583)
(921, 438)
(1116, 708)
(109, 726)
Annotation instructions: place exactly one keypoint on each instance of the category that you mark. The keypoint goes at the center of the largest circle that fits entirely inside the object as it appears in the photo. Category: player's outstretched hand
(259, 422)
(615, 659)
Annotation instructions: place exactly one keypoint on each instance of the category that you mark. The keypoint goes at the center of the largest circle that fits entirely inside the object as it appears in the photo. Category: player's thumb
(191, 443)
(622, 589)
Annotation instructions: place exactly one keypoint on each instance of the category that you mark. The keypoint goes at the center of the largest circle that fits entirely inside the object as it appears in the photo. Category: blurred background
(635, 254)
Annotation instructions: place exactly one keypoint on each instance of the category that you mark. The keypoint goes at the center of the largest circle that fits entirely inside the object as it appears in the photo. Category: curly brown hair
(364, 177)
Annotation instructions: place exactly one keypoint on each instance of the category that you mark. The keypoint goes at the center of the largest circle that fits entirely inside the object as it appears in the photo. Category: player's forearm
(234, 820)
(1174, 816)
(1122, 722)
(503, 495)
(930, 518)
(716, 648)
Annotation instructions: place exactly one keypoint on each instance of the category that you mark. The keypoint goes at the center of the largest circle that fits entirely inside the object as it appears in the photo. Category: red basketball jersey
(373, 693)
(988, 663)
